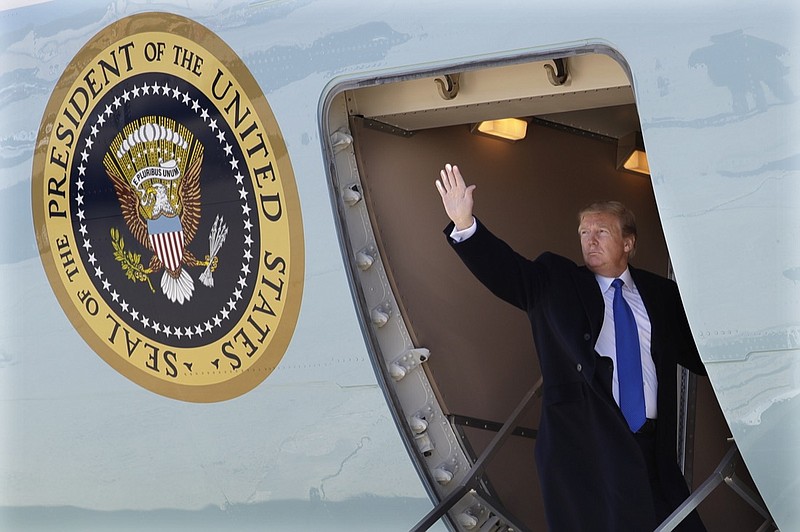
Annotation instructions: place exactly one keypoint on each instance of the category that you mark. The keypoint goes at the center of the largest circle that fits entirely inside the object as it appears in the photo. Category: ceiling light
(637, 162)
(505, 128)
(631, 154)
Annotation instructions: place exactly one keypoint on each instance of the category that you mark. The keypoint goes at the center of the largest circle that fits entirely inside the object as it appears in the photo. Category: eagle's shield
(166, 236)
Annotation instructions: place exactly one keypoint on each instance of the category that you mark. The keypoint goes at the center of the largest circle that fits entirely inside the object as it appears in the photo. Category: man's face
(605, 250)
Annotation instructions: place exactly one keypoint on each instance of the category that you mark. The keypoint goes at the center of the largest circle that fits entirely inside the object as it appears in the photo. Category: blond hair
(627, 220)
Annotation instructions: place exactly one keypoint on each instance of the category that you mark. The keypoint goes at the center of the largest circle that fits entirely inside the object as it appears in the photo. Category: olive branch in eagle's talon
(131, 262)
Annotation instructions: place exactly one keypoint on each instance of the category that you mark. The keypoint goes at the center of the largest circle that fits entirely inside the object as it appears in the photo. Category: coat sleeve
(506, 273)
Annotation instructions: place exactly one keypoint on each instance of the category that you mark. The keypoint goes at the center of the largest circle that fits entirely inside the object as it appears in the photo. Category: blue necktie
(629, 361)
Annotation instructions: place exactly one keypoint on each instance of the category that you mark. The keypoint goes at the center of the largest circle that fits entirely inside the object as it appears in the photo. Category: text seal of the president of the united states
(166, 211)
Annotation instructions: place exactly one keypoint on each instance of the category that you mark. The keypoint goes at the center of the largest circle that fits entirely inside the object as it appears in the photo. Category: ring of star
(185, 98)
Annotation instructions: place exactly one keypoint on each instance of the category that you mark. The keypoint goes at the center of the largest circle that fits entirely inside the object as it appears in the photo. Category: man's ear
(628, 244)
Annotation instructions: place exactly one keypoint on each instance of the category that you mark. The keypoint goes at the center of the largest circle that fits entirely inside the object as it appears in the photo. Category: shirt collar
(605, 282)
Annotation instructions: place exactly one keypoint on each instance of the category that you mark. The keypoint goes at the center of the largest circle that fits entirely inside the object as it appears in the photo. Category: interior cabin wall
(528, 193)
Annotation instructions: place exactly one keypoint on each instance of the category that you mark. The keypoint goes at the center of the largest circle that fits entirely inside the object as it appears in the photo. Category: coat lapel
(594, 306)
(649, 296)
(592, 299)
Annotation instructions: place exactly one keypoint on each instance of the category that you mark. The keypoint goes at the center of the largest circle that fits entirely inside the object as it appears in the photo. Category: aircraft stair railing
(494, 519)
(725, 472)
(471, 483)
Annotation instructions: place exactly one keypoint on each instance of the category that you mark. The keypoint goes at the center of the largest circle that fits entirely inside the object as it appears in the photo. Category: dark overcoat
(591, 470)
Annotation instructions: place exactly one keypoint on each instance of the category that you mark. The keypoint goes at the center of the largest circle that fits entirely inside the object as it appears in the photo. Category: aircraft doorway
(454, 360)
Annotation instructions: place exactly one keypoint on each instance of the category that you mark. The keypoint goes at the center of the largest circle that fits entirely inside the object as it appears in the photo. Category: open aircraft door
(455, 363)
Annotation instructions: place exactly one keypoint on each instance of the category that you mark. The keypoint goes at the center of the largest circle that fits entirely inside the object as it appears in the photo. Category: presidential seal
(166, 210)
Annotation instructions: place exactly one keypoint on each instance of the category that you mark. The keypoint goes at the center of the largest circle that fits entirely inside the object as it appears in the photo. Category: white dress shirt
(606, 342)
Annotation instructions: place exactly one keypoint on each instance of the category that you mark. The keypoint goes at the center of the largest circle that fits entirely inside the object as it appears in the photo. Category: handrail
(725, 472)
(471, 479)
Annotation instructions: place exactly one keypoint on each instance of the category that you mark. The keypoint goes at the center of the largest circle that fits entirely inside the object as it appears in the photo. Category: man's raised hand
(456, 196)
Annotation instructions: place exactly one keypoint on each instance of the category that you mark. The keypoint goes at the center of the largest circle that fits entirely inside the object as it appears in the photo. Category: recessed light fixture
(505, 128)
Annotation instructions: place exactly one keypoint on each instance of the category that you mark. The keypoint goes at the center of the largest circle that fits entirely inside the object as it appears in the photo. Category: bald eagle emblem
(154, 164)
